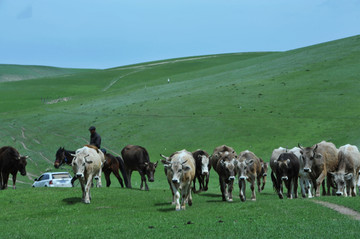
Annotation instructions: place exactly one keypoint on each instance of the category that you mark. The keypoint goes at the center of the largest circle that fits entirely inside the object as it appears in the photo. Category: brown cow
(180, 172)
(319, 160)
(223, 160)
(137, 158)
(202, 169)
(348, 170)
(286, 168)
(10, 163)
(248, 168)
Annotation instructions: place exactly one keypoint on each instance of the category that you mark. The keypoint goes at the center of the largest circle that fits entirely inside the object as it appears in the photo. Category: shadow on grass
(212, 195)
(72, 201)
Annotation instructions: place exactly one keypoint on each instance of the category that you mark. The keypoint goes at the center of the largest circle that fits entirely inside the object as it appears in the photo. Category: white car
(53, 179)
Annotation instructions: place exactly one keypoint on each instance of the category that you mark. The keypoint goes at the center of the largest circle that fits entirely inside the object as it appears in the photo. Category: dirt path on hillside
(340, 209)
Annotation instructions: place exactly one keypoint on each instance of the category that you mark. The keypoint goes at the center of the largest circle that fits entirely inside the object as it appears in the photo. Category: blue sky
(110, 33)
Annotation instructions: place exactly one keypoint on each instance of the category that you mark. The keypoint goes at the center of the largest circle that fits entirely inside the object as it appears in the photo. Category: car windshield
(61, 175)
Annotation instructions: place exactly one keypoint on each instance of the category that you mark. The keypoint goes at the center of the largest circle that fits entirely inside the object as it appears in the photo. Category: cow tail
(274, 181)
(122, 170)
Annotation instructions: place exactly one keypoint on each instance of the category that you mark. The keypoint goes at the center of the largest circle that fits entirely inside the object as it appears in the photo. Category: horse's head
(59, 157)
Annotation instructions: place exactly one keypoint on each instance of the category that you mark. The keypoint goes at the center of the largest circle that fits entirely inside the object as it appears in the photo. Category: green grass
(255, 101)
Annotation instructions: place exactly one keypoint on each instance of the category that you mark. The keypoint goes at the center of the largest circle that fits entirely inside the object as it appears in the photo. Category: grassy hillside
(22, 72)
(255, 101)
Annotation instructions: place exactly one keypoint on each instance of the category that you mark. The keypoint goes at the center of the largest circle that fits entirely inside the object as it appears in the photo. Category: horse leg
(117, 175)
(107, 178)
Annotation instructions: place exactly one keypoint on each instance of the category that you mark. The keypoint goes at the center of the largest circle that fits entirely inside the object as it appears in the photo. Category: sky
(109, 33)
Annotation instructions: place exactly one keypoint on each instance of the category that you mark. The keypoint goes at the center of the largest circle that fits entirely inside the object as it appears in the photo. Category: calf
(346, 176)
(287, 168)
(87, 164)
(202, 169)
(180, 172)
(223, 160)
(248, 168)
(10, 163)
(319, 160)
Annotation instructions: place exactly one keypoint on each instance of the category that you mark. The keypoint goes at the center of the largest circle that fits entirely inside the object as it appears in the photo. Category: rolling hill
(256, 101)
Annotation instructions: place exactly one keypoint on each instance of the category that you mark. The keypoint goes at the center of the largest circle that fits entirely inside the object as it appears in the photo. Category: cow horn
(315, 148)
(299, 145)
(163, 156)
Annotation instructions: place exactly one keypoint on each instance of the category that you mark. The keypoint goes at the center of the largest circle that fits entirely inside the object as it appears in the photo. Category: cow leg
(280, 187)
(308, 187)
(302, 186)
(14, 180)
(98, 178)
(201, 182)
(230, 189)
(87, 190)
(263, 182)
(176, 196)
(117, 175)
(207, 181)
(143, 180)
(252, 187)
(295, 183)
(222, 188)
(82, 183)
(194, 187)
(5, 180)
(185, 193)
(319, 181)
(258, 181)
(129, 172)
(107, 178)
(242, 186)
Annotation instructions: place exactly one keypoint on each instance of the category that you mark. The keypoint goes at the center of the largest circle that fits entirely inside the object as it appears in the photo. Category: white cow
(87, 164)
(304, 178)
(180, 171)
(347, 173)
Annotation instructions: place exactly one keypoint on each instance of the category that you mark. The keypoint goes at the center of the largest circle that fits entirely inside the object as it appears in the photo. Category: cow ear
(156, 164)
(288, 161)
(348, 176)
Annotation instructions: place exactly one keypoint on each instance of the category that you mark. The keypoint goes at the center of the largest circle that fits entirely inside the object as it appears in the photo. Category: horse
(64, 156)
(114, 164)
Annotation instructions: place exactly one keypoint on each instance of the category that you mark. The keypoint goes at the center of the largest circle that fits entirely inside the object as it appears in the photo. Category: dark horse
(114, 164)
(111, 164)
(64, 156)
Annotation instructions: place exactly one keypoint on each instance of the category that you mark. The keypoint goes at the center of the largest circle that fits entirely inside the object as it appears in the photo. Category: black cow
(137, 158)
(11, 162)
(202, 169)
(286, 168)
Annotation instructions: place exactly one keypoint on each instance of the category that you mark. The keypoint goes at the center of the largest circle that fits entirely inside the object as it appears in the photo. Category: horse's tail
(122, 170)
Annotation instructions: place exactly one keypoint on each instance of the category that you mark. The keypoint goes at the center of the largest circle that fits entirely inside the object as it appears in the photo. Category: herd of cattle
(307, 165)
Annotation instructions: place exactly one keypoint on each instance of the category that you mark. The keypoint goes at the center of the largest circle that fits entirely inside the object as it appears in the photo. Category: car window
(61, 176)
(46, 176)
(43, 177)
